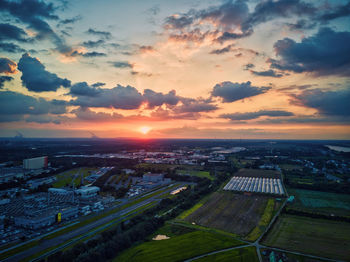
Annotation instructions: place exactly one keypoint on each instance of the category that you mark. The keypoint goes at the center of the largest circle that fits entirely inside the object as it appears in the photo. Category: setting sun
(144, 129)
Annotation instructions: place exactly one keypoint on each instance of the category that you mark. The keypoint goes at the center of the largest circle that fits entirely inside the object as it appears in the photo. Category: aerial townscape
(175, 131)
(145, 200)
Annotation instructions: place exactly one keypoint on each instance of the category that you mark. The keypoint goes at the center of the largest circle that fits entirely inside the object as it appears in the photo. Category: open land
(319, 237)
(183, 243)
(321, 202)
(235, 213)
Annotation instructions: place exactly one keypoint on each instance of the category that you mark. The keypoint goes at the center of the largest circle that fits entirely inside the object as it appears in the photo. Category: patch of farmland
(321, 202)
(241, 254)
(234, 213)
(258, 173)
(195, 173)
(320, 237)
(182, 244)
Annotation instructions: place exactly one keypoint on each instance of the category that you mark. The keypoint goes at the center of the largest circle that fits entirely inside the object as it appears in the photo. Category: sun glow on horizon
(144, 129)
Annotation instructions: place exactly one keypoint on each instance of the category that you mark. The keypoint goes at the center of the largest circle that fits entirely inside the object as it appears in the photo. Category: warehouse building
(87, 192)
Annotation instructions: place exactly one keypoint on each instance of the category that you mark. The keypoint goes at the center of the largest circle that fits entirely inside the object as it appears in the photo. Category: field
(235, 213)
(258, 173)
(195, 173)
(65, 178)
(183, 243)
(318, 237)
(241, 254)
(321, 202)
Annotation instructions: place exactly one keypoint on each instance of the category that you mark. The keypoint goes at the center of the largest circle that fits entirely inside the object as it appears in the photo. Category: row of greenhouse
(255, 184)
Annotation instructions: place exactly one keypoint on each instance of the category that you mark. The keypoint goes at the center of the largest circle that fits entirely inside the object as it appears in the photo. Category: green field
(241, 254)
(321, 202)
(264, 221)
(320, 237)
(195, 173)
(65, 178)
(183, 243)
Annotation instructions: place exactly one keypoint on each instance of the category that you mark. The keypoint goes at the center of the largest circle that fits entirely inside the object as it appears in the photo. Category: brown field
(234, 213)
(258, 173)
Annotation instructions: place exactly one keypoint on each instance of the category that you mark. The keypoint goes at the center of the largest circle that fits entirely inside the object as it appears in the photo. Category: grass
(65, 178)
(195, 173)
(241, 254)
(178, 248)
(320, 237)
(321, 202)
(264, 221)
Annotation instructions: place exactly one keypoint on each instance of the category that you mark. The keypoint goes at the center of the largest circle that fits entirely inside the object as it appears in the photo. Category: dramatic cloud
(232, 19)
(11, 48)
(93, 44)
(326, 53)
(226, 49)
(326, 102)
(146, 49)
(270, 73)
(121, 64)
(267, 10)
(4, 79)
(195, 106)
(7, 66)
(157, 99)
(254, 115)
(86, 114)
(83, 89)
(104, 34)
(35, 78)
(230, 92)
(11, 32)
(70, 20)
(33, 13)
(338, 12)
(119, 97)
(15, 106)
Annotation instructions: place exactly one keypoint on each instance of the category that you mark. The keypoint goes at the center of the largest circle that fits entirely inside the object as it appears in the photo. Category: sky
(272, 69)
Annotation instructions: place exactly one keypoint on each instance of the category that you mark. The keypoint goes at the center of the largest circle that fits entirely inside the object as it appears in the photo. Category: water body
(339, 148)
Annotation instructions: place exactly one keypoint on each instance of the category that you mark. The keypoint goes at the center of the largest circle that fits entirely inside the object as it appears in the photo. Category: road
(84, 231)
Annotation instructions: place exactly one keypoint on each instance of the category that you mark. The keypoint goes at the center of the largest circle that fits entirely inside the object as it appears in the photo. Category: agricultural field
(320, 237)
(182, 243)
(234, 213)
(195, 173)
(241, 254)
(291, 167)
(321, 202)
(258, 173)
(65, 178)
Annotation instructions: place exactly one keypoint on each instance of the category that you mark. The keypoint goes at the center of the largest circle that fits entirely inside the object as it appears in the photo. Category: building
(149, 177)
(35, 183)
(35, 163)
(8, 174)
(87, 192)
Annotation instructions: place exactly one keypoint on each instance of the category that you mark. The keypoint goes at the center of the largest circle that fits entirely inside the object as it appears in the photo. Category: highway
(86, 230)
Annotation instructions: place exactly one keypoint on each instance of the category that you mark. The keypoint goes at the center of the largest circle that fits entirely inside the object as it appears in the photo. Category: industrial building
(255, 184)
(35, 163)
(87, 192)
(149, 177)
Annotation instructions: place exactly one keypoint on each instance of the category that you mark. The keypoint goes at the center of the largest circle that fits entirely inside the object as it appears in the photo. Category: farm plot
(234, 213)
(320, 237)
(321, 202)
(258, 173)
(195, 173)
(181, 244)
(241, 254)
